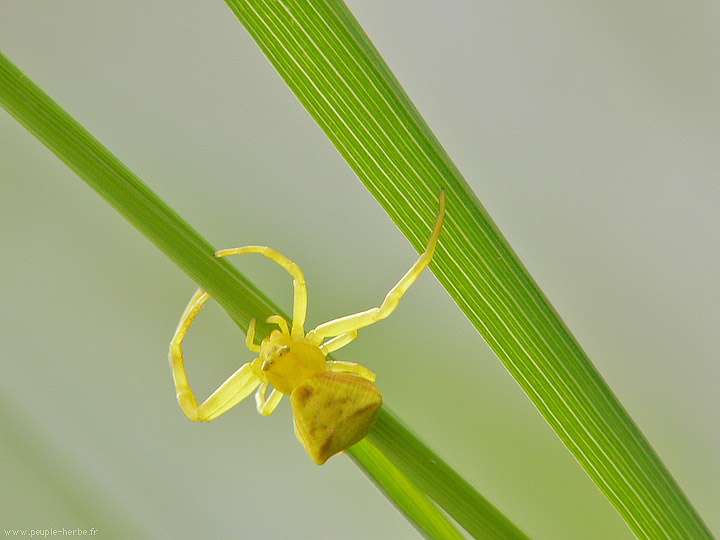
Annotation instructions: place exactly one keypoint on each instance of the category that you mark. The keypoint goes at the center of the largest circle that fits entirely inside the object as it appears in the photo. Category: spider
(334, 403)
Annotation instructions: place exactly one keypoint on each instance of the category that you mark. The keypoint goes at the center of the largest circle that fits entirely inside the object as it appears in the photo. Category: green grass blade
(331, 66)
(439, 481)
(403, 493)
(123, 190)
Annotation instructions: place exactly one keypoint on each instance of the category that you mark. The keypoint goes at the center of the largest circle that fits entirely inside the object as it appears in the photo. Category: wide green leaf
(332, 67)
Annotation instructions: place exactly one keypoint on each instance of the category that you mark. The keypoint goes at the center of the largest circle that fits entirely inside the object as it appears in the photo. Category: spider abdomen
(333, 411)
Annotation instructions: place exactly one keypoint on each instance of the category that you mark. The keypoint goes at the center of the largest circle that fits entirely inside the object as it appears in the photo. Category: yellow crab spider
(334, 403)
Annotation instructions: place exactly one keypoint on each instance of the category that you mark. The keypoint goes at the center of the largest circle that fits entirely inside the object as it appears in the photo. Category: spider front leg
(300, 289)
(236, 388)
(345, 326)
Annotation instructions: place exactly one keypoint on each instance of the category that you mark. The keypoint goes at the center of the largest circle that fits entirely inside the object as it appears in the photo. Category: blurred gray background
(590, 132)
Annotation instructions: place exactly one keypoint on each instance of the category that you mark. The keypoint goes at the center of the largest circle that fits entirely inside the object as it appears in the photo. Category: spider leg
(350, 323)
(337, 342)
(300, 290)
(282, 323)
(236, 388)
(250, 337)
(267, 406)
(338, 366)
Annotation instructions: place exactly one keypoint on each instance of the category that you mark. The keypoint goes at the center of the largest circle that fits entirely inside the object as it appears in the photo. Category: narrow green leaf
(329, 63)
(151, 216)
(125, 192)
(439, 481)
(404, 494)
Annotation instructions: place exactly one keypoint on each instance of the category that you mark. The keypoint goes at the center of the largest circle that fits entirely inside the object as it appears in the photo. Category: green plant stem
(123, 190)
(434, 476)
(404, 493)
(127, 194)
